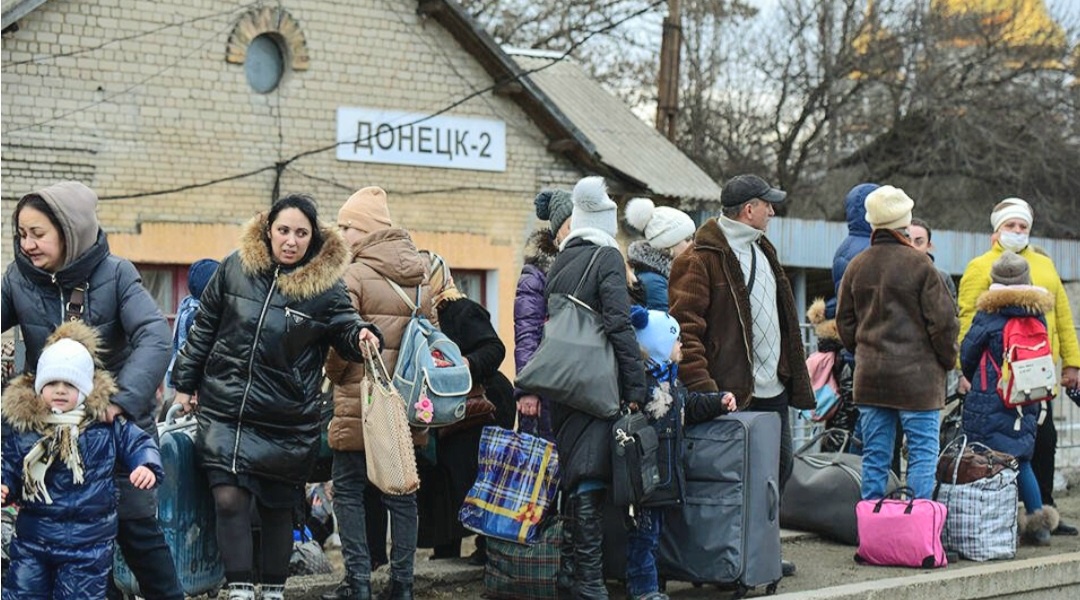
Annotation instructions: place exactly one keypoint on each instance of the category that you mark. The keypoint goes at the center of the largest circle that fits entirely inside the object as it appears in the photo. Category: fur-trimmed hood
(309, 279)
(641, 255)
(1035, 300)
(541, 250)
(24, 410)
(825, 328)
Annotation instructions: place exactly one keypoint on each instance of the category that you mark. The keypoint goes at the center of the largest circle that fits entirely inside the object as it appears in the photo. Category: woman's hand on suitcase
(143, 478)
(187, 402)
(3, 494)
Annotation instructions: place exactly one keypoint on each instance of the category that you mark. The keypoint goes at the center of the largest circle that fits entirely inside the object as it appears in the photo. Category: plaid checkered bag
(981, 522)
(524, 572)
(516, 483)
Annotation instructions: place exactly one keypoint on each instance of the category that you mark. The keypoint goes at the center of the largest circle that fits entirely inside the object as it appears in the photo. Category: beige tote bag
(388, 444)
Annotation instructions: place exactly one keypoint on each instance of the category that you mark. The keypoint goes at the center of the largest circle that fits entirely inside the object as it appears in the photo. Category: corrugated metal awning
(622, 140)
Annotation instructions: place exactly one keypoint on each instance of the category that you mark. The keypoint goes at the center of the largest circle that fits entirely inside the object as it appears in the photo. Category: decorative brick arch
(274, 21)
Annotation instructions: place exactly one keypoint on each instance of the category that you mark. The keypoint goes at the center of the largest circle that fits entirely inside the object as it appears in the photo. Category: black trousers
(1043, 459)
(779, 405)
(143, 545)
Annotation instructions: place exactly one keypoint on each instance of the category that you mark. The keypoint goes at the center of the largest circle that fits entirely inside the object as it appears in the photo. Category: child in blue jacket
(58, 460)
(986, 419)
(668, 405)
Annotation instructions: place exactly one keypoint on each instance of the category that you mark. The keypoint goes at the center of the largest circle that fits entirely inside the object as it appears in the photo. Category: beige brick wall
(166, 111)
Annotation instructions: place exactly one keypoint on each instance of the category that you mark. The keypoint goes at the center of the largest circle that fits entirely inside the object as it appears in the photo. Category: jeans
(1029, 488)
(779, 405)
(143, 545)
(642, 542)
(350, 479)
(878, 427)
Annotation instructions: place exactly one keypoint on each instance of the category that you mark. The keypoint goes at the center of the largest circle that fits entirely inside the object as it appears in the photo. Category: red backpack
(1027, 373)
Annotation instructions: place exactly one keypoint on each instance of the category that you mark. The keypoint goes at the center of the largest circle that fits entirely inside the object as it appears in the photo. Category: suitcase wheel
(771, 588)
(740, 592)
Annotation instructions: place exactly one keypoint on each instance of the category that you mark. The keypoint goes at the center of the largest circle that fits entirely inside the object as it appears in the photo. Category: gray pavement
(825, 570)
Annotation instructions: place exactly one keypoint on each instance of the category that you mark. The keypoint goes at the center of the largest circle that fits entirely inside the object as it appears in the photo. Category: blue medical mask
(1014, 242)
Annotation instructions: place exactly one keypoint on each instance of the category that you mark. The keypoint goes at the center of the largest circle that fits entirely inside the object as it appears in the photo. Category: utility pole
(667, 105)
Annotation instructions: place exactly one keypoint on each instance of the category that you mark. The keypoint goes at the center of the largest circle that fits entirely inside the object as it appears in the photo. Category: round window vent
(264, 64)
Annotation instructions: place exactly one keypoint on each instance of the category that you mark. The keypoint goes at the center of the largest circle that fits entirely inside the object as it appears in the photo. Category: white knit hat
(888, 207)
(663, 226)
(68, 361)
(1011, 208)
(593, 208)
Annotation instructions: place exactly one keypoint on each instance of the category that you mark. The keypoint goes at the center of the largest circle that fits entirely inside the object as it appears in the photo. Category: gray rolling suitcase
(728, 531)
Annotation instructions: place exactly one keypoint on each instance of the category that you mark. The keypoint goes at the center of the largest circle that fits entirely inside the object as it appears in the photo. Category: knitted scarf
(60, 439)
(661, 400)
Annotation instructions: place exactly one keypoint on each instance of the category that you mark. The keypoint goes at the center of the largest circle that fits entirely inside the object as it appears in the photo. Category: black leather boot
(397, 590)
(350, 589)
(565, 580)
(589, 546)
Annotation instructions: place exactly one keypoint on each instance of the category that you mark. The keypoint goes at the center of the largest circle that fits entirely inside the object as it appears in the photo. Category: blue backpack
(435, 396)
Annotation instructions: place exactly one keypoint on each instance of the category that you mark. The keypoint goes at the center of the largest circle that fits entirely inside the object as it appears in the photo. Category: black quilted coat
(255, 356)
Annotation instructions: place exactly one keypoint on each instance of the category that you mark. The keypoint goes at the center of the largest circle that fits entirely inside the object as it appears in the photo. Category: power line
(285, 164)
(122, 92)
(41, 59)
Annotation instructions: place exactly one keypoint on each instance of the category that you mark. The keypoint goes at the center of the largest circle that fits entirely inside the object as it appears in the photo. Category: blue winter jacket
(80, 514)
(858, 238)
(986, 419)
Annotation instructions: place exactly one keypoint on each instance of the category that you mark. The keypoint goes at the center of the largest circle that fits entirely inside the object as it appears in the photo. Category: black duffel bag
(824, 487)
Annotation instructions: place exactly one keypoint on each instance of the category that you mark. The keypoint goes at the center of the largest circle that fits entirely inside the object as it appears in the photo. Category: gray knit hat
(1010, 269)
(555, 207)
(593, 208)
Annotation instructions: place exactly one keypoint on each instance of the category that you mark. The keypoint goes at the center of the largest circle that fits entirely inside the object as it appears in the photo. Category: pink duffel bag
(901, 533)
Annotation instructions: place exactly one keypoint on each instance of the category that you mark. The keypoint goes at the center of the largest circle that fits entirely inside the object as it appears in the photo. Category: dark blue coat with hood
(82, 516)
(858, 238)
(986, 419)
(134, 334)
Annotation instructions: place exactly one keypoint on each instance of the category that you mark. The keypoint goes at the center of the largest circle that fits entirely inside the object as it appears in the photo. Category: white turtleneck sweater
(764, 314)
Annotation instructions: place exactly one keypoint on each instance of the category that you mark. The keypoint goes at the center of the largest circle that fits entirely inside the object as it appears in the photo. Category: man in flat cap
(740, 326)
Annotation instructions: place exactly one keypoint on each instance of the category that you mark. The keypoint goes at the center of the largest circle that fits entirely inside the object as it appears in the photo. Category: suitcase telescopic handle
(774, 499)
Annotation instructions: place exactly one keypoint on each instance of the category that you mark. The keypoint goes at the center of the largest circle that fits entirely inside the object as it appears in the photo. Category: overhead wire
(285, 164)
(123, 92)
(134, 36)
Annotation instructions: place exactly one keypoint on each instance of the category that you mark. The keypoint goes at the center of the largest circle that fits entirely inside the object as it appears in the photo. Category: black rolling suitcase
(728, 530)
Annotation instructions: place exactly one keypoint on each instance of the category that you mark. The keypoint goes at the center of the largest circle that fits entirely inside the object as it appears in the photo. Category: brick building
(187, 118)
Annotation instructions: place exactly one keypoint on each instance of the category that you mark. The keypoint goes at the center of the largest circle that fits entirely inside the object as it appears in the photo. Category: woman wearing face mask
(1012, 220)
(255, 355)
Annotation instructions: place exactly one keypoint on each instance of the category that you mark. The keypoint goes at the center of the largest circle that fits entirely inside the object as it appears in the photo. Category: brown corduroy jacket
(895, 314)
(708, 296)
(380, 255)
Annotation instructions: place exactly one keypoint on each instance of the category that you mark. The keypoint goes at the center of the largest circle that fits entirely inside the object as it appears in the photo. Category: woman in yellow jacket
(1012, 219)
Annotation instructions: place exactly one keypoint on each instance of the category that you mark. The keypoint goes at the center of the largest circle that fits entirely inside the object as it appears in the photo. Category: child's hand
(3, 494)
(143, 478)
(729, 403)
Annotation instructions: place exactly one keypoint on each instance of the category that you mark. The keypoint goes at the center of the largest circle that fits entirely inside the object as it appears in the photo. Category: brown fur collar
(1033, 299)
(824, 328)
(24, 410)
(313, 278)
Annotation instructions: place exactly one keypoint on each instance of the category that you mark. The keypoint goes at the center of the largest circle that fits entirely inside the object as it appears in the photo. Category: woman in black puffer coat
(583, 441)
(254, 356)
